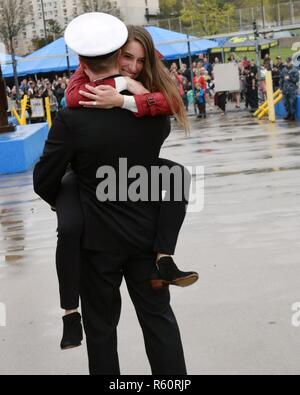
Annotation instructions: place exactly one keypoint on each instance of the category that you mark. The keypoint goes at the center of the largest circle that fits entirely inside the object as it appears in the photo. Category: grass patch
(283, 52)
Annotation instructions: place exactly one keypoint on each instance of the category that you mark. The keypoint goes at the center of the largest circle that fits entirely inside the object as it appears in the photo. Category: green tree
(40, 42)
(208, 16)
(170, 8)
(54, 29)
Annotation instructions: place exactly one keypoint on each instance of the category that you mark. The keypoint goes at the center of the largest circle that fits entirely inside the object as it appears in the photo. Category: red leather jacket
(150, 104)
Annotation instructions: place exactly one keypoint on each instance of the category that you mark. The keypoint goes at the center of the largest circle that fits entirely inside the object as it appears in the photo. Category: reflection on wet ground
(245, 244)
(22, 231)
(252, 188)
(251, 174)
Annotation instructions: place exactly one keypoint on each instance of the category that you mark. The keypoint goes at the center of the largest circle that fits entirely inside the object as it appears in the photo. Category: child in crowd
(53, 104)
(201, 101)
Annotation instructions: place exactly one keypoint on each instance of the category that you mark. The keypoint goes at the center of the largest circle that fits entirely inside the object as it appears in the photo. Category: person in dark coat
(276, 73)
(289, 80)
(251, 87)
(118, 234)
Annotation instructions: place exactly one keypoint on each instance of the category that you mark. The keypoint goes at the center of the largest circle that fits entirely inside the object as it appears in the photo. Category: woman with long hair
(156, 94)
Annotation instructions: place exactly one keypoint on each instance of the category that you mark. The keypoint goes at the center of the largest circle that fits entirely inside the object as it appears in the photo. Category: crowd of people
(54, 88)
(252, 92)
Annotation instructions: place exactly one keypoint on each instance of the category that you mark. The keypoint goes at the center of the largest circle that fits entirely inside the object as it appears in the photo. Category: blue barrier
(281, 111)
(20, 150)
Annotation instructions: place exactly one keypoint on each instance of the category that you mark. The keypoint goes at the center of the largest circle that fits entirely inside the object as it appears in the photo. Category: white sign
(227, 77)
(11, 104)
(37, 108)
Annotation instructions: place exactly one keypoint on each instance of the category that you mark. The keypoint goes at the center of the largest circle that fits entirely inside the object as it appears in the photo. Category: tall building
(137, 12)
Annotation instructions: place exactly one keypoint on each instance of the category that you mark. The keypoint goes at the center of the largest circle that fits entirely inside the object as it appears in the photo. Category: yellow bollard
(266, 110)
(263, 106)
(23, 110)
(16, 115)
(270, 95)
(48, 112)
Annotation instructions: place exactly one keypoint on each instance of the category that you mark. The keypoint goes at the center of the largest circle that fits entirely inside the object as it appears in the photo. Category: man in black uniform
(289, 80)
(118, 235)
(276, 72)
(251, 87)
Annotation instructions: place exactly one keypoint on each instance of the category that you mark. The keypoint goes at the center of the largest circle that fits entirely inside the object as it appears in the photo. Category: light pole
(258, 55)
(147, 13)
(263, 13)
(44, 20)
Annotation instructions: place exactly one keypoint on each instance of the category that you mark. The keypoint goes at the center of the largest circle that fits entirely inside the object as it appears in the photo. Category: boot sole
(186, 281)
(180, 282)
(70, 347)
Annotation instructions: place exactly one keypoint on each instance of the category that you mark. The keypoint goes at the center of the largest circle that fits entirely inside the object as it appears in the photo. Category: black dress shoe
(171, 275)
(73, 333)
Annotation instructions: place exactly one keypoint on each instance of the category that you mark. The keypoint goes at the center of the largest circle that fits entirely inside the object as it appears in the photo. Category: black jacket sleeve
(58, 154)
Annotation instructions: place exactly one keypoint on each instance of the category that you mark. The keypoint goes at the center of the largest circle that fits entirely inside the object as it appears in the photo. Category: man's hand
(286, 77)
(103, 96)
(135, 87)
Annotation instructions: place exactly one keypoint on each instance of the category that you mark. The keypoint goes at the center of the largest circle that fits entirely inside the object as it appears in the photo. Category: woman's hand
(135, 87)
(103, 96)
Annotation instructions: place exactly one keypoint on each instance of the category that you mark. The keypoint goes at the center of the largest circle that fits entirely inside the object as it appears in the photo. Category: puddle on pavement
(251, 157)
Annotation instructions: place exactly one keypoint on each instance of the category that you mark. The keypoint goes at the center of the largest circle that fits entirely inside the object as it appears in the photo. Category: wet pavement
(245, 245)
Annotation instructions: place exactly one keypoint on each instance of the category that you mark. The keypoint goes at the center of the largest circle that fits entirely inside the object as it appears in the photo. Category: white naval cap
(96, 34)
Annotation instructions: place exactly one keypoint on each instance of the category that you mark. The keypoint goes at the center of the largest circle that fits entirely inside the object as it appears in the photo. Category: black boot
(73, 333)
(171, 275)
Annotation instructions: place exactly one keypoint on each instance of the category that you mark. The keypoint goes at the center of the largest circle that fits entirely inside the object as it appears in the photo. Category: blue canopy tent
(6, 62)
(7, 59)
(52, 58)
(173, 45)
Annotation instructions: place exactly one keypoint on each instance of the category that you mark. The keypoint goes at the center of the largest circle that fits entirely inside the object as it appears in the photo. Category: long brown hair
(156, 77)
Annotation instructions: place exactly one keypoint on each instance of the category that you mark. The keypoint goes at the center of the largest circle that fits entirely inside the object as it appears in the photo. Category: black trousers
(202, 108)
(102, 276)
(70, 228)
(221, 100)
(252, 98)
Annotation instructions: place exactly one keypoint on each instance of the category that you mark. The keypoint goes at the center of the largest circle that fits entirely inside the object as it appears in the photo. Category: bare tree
(109, 7)
(13, 20)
